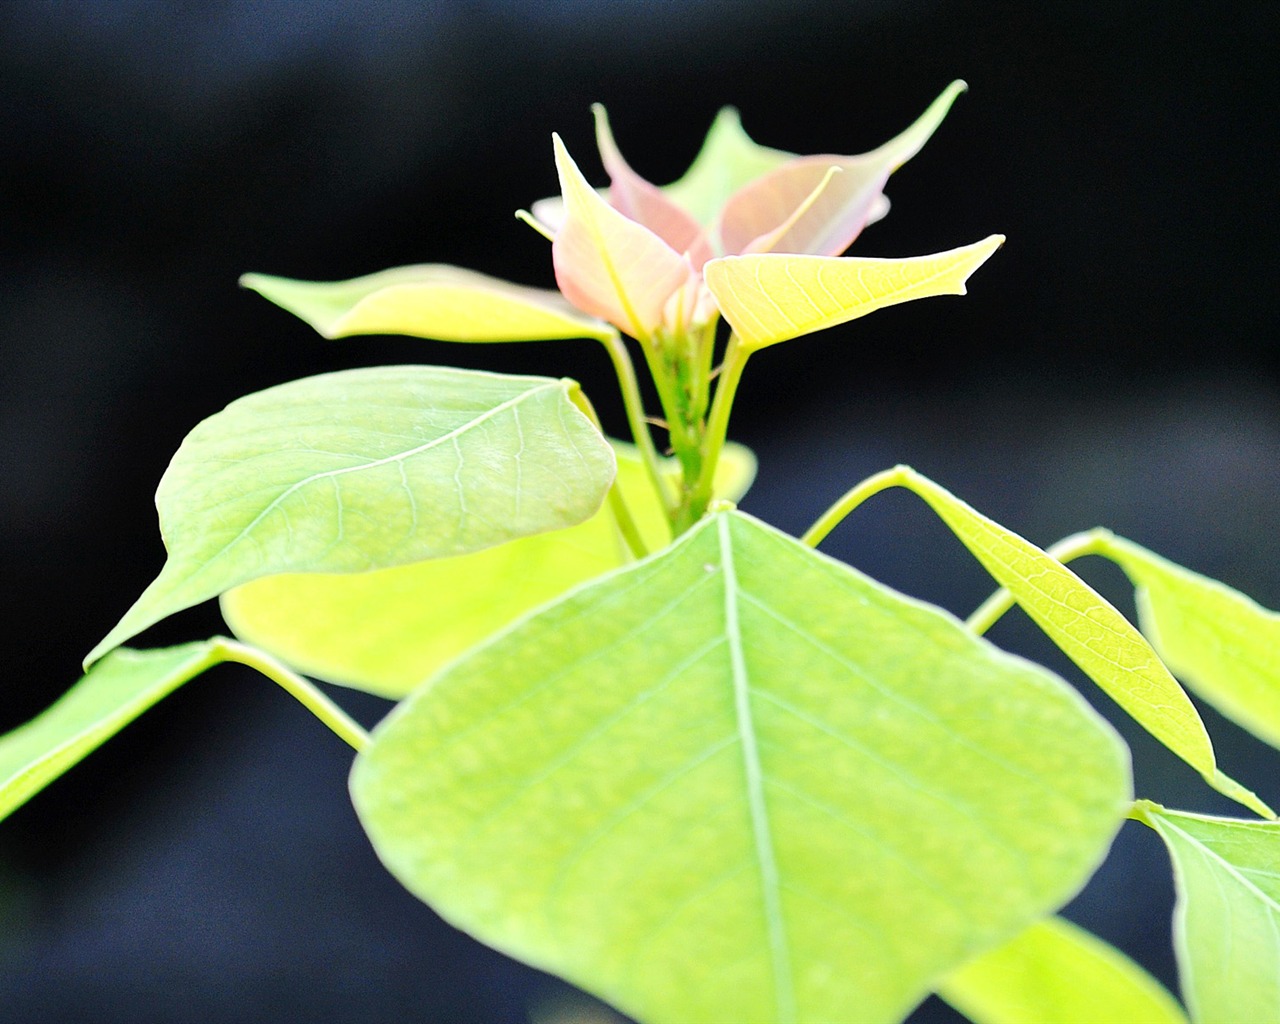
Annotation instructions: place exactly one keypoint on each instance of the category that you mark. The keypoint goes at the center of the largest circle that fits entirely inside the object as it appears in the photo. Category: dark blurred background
(1114, 364)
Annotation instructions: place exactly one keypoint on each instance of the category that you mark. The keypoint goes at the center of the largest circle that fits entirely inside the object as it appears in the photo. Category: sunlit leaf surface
(386, 631)
(774, 297)
(1058, 973)
(366, 469)
(740, 781)
(429, 301)
(1223, 645)
(1227, 922)
(112, 694)
(1089, 631)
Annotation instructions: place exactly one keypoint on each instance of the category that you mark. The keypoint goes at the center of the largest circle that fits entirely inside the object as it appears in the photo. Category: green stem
(617, 502)
(634, 406)
(699, 496)
(1090, 542)
(851, 499)
(306, 692)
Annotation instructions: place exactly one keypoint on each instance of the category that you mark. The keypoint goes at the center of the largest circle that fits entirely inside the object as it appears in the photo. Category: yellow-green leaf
(738, 781)
(1057, 973)
(774, 297)
(1089, 631)
(1226, 927)
(429, 301)
(112, 694)
(387, 631)
(1222, 644)
(366, 469)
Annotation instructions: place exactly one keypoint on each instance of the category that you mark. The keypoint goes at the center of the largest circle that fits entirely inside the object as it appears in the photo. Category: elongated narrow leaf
(774, 297)
(1222, 644)
(387, 631)
(366, 469)
(429, 301)
(727, 160)
(1226, 927)
(1089, 631)
(111, 695)
(607, 264)
(739, 781)
(1058, 973)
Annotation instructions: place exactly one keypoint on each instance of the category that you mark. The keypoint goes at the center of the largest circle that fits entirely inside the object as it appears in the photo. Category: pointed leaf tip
(774, 297)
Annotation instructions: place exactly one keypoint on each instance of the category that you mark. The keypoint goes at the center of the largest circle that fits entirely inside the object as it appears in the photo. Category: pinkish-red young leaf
(645, 203)
(609, 265)
(827, 227)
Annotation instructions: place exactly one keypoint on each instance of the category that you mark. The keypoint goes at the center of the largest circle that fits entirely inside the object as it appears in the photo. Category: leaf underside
(740, 781)
(429, 301)
(1227, 922)
(366, 469)
(774, 297)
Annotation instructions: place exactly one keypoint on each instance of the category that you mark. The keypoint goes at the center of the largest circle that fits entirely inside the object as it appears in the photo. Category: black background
(1115, 363)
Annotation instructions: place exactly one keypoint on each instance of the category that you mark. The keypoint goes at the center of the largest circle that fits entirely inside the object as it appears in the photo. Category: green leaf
(1058, 973)
(366, 469)
(773, 297)
(727, 160)
(429, 301)
(387, 631)
(1089, 631)
(740, 781)
(112, 694)
(1226, 927)
(1219, 642)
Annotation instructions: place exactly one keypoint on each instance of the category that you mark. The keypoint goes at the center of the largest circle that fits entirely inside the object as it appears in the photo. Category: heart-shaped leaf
(1222, 644)
(387, 631)
(1058, 973)
(366, 469)
(429, 301)
(740, 781)
(773, 297)
(1226, 928)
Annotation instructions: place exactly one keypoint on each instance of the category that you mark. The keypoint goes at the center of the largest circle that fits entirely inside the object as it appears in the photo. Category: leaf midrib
(784, 993)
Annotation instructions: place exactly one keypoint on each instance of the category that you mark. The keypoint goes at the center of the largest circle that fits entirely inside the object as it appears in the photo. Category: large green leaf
(740, 781)
(1089, 631)
(366, 469)
(1058, 973)
(1227, 922)
(112, 694)
(429, 301)
(1223, 645)
(386, 631)
(775, 297)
